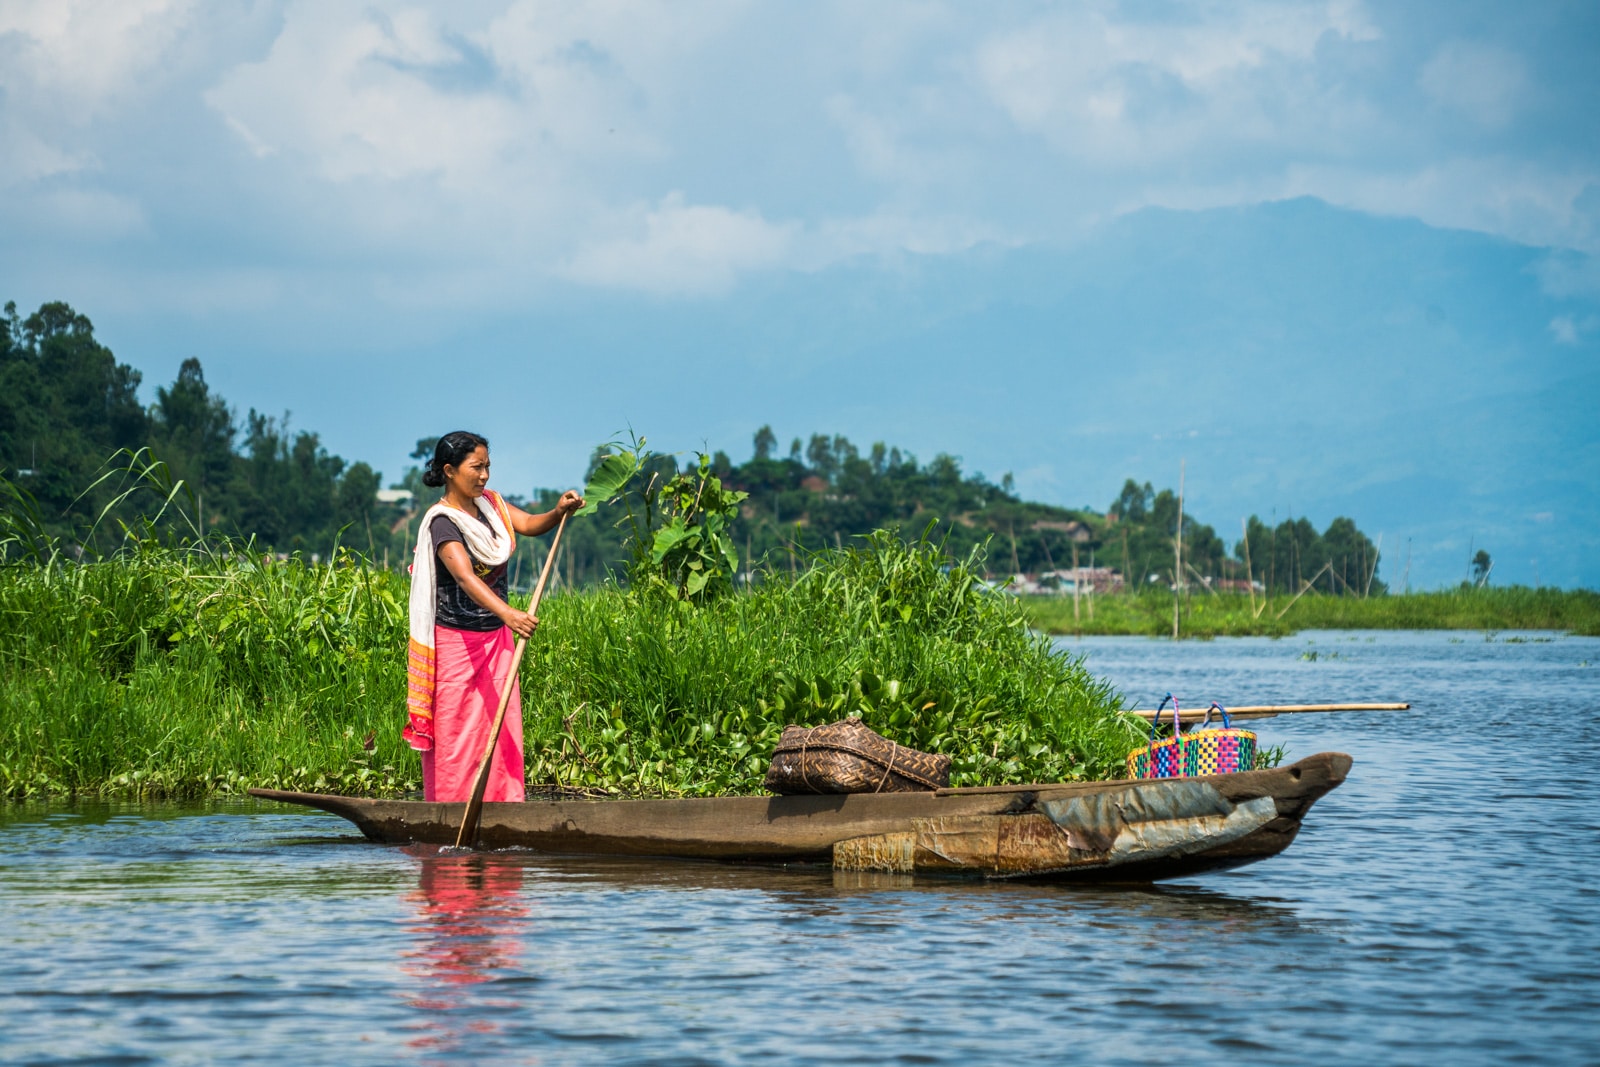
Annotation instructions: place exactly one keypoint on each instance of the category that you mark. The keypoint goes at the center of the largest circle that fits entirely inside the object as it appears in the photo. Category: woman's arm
(459, 564)
(533, 525)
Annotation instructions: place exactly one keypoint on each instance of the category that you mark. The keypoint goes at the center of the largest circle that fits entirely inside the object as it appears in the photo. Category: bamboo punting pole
(469, 818)
(1267, 711)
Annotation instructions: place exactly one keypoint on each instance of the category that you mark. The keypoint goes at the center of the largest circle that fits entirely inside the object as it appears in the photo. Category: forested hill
(823, 491)
(66, 405)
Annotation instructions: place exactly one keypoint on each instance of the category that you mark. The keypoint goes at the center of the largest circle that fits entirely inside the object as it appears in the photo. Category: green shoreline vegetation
(189, 672)
(1230, 614)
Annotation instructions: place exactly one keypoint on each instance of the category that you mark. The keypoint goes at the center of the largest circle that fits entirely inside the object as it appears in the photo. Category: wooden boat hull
(1136, 831)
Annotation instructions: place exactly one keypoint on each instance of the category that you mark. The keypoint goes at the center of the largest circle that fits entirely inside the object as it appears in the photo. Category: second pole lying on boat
(469, 819)
(1267, 711)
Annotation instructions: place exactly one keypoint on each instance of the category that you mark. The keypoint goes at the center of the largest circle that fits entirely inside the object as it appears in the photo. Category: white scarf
(490, 545)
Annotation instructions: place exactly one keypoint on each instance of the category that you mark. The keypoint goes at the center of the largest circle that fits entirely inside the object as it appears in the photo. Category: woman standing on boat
(462, 629)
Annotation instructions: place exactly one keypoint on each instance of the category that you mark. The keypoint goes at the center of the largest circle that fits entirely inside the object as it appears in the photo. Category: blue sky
(1336, 257)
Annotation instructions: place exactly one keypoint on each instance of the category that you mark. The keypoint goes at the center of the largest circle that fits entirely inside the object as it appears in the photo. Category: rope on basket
(893, 748)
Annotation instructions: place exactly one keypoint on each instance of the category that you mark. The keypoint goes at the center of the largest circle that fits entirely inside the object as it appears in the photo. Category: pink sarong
(468, 672)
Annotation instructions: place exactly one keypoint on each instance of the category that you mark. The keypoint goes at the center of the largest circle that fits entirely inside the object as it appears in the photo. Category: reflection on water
(470, 923)
(1439, 905)
(469, 915)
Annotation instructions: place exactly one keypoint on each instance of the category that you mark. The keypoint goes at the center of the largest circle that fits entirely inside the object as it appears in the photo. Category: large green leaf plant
(678, 524)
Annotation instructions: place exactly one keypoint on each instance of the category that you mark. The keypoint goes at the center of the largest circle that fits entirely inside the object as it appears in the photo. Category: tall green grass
(186, 672)
(1232, 614)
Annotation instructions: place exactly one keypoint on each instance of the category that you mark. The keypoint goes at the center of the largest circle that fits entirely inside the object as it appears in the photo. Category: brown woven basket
(847, 757)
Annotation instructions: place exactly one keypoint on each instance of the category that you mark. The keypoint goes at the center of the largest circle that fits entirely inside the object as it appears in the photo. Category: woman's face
(469, 479)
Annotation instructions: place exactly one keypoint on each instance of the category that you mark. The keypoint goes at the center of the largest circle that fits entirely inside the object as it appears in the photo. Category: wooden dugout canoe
(1126, 831)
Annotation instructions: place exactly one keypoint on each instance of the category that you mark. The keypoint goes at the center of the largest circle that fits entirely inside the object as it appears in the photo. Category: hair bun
(451, 450)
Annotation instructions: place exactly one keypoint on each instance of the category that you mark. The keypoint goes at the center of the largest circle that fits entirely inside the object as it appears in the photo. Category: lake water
(1441, 906)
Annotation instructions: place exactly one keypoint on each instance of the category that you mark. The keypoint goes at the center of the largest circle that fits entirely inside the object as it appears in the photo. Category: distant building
(403, 497)
(1082, 581)
(1233, 585)
(1075, 530)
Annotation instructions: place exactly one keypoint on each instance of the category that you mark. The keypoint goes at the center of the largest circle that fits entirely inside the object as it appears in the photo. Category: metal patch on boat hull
(1153, 820)
(1139, 842)
(1143, 822)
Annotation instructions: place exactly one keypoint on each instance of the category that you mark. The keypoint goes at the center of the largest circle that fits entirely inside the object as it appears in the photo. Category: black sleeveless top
(454, 606)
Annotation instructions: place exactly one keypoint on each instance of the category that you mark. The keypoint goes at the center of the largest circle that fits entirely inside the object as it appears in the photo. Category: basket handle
(1227, 723)
(1155, 721)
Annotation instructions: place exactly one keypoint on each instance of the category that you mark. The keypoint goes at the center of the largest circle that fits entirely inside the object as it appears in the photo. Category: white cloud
(510, 140)
(29, 157)
(1571, 330)
(684, 249)
(871, 139)
(887, 233)
(1567, 274)
(1481, 81)
(88, 51)
(1114, 90)
(542, 88)
(88, 213)
(353, 98)
(65, 64)
(532, 136)
(1527, 202)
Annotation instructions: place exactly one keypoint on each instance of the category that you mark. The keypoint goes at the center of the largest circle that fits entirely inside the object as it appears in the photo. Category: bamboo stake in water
(1377, 553)
(1249, 572)
(469, 819)
(1325, 567)
(1201, 579)
(1077, 579)
(1177, 555)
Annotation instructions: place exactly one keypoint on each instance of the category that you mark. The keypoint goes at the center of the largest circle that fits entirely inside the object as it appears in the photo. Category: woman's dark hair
(452, 450)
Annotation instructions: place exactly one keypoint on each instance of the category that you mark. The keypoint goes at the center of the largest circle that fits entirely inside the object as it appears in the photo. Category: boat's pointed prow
(363, 812)
(1326, 769)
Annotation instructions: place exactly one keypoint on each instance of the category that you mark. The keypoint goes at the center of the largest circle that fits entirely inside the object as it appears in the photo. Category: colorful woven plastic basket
(1200, 751)
(1214, 751)
(1159, 759)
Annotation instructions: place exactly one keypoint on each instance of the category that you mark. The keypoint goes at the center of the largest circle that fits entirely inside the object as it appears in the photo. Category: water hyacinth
(693, 701)
(171, 671)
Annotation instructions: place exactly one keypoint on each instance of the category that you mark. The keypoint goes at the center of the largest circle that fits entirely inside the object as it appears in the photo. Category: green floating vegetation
(186, 672)
(1235, 615)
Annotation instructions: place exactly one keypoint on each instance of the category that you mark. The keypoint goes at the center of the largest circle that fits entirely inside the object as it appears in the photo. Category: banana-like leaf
(610, 478)
(669, 537)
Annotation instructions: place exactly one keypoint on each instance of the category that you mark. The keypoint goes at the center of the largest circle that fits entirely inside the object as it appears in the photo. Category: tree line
(826, 490)
(67, 404)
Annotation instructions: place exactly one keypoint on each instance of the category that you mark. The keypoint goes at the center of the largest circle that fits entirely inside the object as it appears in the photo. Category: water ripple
(1440, 905)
